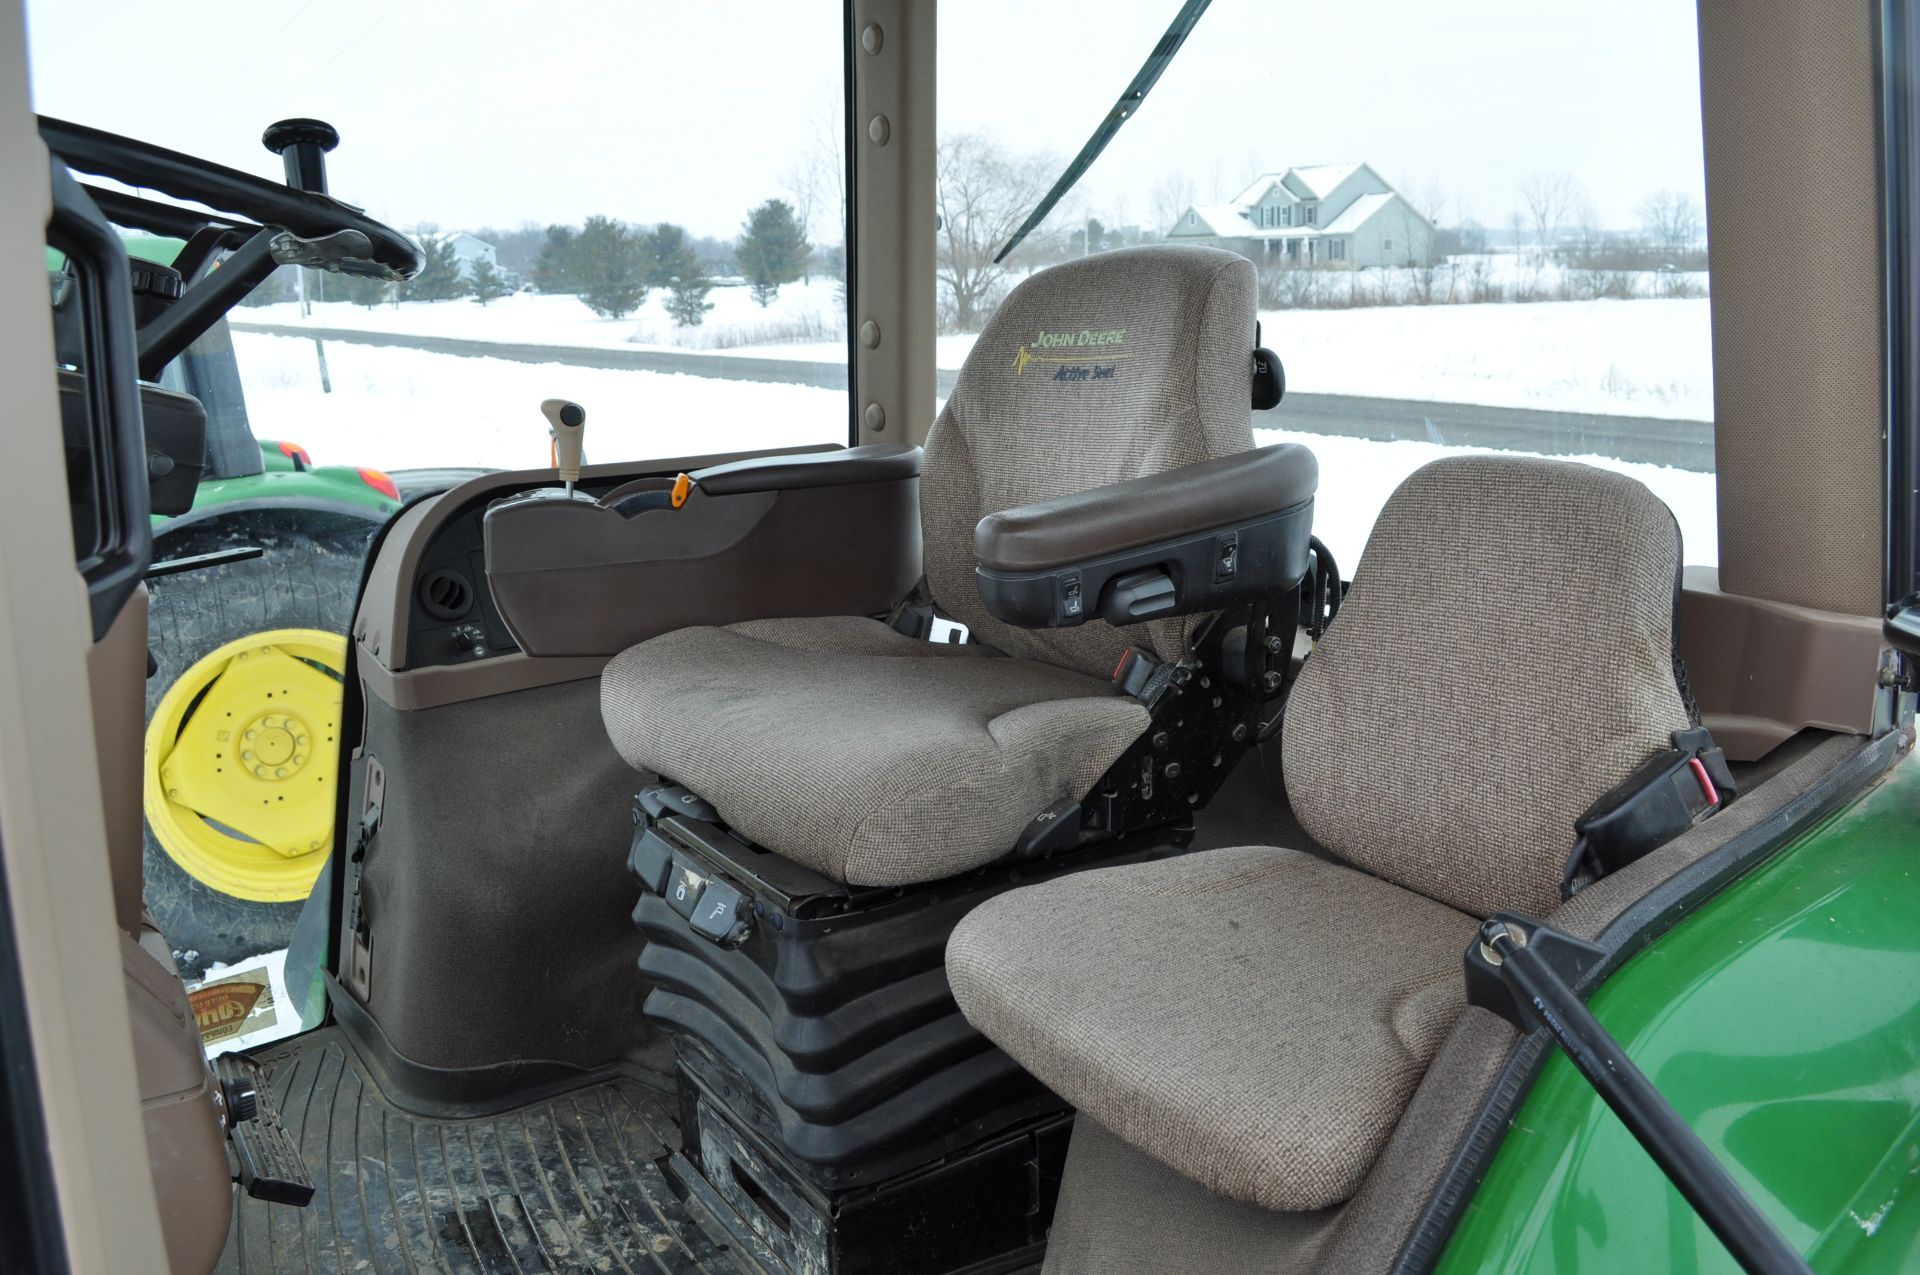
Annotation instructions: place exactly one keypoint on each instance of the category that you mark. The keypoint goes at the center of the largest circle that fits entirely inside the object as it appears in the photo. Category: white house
(468, 249)
(1322, 214)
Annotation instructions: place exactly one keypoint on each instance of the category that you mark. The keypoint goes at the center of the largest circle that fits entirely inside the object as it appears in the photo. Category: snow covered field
(1636, 358)
(1357, 475)
(811, 312)
(394, 408)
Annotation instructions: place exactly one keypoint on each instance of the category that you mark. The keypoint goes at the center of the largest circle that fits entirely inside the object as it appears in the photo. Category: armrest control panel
(1184, 541)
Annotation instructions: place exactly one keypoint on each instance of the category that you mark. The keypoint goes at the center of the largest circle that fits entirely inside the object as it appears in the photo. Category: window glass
(606, 219)
(1499, 243)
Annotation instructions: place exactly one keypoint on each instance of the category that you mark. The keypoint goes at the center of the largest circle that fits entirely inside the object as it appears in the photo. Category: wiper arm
(1123, 110)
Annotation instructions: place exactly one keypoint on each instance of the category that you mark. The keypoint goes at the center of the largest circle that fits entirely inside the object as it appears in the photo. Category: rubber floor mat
(565, 1184)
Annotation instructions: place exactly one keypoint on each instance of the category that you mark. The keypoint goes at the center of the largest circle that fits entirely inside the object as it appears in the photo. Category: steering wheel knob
(284, 133)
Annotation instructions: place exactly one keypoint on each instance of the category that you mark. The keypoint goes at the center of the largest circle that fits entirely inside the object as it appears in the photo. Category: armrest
(873, 463)
(1174, 543)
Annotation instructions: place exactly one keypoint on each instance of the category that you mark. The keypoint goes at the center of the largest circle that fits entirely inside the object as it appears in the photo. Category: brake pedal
(270, 1165)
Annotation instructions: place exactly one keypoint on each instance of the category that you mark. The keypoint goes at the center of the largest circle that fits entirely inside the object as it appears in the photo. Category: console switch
(684, 888)
(719, 915)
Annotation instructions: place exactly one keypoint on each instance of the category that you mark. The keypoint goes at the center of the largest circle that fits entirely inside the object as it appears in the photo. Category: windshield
(1474, 226)
(602, 222)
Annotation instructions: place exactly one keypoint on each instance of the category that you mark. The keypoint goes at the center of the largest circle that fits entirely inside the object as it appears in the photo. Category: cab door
(74, 1150)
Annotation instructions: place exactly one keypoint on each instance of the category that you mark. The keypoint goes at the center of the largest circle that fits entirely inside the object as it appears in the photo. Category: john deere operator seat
(836, 792)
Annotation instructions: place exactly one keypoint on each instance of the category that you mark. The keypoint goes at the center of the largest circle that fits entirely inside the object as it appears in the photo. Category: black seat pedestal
(832, 1091)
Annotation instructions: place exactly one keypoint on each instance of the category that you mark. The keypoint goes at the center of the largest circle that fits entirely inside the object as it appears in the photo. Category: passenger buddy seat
(1258, 1019)
(837, 792)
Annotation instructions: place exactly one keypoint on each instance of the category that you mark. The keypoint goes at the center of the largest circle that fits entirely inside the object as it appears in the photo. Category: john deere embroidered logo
(1086, 355)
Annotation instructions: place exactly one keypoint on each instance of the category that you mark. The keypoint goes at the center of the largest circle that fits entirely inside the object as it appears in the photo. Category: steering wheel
(307, 227)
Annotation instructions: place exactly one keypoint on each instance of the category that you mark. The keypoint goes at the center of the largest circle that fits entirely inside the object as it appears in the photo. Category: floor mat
(566, 1184)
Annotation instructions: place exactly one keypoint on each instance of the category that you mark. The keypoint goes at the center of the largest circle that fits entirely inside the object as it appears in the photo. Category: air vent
(446, 595)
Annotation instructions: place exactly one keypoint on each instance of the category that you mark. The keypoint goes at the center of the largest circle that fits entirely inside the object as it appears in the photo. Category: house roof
(1225, 220)
(1321, 179)
(1252, 194)
(1356, 214)
(1317, 180)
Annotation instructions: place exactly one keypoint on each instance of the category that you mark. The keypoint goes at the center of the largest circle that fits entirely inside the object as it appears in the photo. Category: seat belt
(1672, 791)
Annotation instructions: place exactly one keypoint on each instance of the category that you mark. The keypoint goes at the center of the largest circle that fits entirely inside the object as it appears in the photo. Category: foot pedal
(270, 1165)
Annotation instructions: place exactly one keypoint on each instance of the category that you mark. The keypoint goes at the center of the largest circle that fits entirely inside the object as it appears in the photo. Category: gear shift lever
(567, 422)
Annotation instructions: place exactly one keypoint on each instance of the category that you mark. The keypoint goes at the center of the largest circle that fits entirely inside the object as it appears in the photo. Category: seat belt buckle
(1134, 671)
(1669, 793)
(1146, 677)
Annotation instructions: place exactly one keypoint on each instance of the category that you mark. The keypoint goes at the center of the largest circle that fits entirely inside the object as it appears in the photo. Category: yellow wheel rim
(241, 762)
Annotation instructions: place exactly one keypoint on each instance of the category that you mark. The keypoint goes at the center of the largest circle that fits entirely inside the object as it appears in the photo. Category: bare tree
(1172, 196)
(816, 183)
(1672, 225)
(1549, 198)
(982, 194)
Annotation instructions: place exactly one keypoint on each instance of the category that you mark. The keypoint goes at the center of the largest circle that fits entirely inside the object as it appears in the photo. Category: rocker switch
(684, 888)
(651, 859)
(1072, 604)
(718, 914)
(1226, 557)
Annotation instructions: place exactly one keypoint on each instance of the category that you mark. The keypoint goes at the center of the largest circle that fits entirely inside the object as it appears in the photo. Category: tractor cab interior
(1011, 839)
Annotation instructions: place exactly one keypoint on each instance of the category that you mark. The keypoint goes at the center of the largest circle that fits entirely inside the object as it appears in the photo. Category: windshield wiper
(1123, 110)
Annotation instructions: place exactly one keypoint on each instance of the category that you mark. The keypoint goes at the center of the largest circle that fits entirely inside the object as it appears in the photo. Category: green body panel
(1783, 1022)
(281, 483)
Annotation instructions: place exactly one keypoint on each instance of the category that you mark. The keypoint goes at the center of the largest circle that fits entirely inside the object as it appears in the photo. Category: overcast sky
(467, 113)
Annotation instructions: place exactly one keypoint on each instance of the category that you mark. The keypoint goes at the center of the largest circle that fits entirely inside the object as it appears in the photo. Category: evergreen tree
(609, 266)
(441, 279)
(668, 255)
(487, 283)
(556, 268)
(366, 290)
(687, 300)
(773, 250)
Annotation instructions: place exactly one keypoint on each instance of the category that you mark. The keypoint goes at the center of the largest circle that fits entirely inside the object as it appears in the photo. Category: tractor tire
(307, 580)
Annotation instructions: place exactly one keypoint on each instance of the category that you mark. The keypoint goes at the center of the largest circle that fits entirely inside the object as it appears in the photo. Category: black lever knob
(302, 146)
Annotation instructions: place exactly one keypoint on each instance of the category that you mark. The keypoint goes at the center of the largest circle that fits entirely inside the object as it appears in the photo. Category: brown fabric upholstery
(864, 754)
(1798, 335)
(1505, 657)
(879, 760)
(1178, 391)
(1255, 1018)
(1122, 1212)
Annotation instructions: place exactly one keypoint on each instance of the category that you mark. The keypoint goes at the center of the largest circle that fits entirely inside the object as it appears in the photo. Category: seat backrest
(1104, 369)
(1505, 656)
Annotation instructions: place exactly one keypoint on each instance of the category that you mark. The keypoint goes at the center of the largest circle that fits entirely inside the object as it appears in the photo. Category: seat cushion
(1255, 1018)
(866, 755)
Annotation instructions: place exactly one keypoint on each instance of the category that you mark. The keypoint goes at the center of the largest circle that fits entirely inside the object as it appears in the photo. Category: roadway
(1681, 444)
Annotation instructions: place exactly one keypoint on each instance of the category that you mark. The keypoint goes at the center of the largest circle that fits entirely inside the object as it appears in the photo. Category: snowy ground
(811, 312)
(1637, 358)
(1357, 475)
(395, 408)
